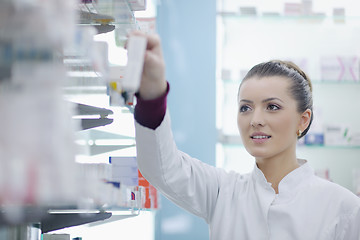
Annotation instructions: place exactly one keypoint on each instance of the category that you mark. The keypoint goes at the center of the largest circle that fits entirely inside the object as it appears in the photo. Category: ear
(305, 119)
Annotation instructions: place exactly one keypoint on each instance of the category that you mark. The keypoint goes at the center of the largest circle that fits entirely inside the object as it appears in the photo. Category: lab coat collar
(291, 182)
(297, 178)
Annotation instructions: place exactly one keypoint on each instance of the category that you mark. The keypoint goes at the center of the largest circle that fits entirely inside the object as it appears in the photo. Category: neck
(276, 168)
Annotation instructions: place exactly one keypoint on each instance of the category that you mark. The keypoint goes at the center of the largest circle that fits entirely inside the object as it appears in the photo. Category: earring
(299, 133)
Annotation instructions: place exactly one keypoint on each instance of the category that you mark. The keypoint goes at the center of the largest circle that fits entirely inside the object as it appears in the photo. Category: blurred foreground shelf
(49, 219)
(15, 220)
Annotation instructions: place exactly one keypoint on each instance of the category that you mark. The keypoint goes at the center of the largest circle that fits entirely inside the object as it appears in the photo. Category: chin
(258, 153)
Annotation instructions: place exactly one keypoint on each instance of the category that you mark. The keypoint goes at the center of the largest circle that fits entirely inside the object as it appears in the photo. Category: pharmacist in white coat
(281, 198)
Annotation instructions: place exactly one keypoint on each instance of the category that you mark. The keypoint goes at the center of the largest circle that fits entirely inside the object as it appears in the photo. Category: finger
(150, 58)
(153, 41)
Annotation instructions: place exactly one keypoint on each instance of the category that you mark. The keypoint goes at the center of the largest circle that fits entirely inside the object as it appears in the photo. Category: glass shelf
(280, 17)
(308, 41)
(54, 218)
(113, 12)
(328, 147)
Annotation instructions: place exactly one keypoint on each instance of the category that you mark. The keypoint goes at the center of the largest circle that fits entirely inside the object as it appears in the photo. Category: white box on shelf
(354, 139)
(147, 24)
(307, 6)
(248, 11)
(340, 68)
(339, 12)
(128, 181)
(137, 5)
(123, 161)
(62, 236)
(293, 9)
(125, 170)
(335, 135)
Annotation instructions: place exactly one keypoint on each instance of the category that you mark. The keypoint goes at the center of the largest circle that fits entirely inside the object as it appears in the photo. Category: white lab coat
(245, 206)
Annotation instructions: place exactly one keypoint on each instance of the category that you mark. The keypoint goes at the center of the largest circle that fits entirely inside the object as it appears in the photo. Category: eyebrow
(264, 101)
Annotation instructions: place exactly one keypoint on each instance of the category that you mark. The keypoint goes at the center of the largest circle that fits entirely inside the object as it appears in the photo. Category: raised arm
(188, 182)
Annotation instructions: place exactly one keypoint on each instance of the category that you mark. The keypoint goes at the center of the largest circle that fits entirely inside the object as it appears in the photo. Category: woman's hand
(153, 83)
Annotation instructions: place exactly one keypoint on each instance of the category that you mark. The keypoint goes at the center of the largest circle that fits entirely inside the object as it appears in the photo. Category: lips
(259, 137)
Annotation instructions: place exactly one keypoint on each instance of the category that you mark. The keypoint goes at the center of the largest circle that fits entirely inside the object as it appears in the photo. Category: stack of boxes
(125, 171)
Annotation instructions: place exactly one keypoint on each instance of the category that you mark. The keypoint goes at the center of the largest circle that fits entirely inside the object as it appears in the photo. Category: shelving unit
(314, 40)
(87, 69)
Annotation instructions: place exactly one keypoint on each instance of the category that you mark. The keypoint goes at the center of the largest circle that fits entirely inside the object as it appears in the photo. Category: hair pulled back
(300, 87)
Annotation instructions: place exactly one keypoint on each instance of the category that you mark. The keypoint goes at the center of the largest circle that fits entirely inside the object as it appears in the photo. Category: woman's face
(268, 119)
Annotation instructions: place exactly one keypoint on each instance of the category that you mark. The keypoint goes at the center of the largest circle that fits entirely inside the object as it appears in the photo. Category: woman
(281, 198)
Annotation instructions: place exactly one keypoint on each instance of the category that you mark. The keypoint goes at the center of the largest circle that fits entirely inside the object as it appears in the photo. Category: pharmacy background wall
(204, 47)
(188, 32)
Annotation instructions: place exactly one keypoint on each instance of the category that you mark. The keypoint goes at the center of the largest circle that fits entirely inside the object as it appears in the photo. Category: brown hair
(300, 88)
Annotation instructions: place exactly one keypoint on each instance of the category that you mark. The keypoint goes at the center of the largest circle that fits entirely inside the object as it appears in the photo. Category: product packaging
(339, 15)
(336, 135)
(125, 171)
(307, 7)
(147, 25)
(248, 11)
(340, 68)
(292, 9)
(37, 149)
(62, 236)
(137, 5)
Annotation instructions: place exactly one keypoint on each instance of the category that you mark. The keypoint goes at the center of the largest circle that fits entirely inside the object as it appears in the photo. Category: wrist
(150, 113)
(151, 92)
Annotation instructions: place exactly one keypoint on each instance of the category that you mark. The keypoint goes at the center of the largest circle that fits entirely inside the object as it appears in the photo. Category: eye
(244, 108)
(273, 107)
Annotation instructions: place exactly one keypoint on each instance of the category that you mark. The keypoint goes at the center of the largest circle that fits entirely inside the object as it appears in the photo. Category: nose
(257, 119)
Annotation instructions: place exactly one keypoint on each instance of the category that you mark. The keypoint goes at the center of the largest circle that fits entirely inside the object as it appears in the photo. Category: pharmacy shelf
(280, 17)
(56, 219)
(92, 116)
(96, 16)
(89, 18)
(53, 222)
(83, 109)
(51, 219)
(104, 28)
(102, 23)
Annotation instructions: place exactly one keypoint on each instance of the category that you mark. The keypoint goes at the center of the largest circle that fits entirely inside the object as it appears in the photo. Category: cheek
(242, 123)
(239, 121)
(285, 125)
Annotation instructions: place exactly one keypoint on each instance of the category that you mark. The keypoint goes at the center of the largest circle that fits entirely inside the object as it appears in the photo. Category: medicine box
(125, 171)
(340, 68)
